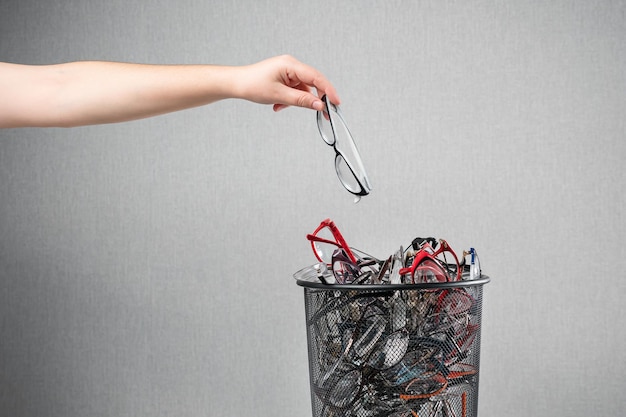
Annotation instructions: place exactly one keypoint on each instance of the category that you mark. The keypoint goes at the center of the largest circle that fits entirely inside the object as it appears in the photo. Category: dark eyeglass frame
(343, 268)
(333, 115)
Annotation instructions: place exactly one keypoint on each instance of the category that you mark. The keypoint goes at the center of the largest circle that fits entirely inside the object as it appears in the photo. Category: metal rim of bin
(395, 287)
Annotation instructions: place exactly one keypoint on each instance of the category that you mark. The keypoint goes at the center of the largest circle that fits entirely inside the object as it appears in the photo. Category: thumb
(300, 98)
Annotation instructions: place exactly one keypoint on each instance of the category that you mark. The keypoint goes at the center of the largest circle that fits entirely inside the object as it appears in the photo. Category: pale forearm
(133, 91)
(81, 93)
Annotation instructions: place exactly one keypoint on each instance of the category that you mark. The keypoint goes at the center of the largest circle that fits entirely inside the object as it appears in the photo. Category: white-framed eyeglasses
(348, 163)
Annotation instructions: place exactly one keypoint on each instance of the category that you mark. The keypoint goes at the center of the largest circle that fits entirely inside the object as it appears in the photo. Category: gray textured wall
(145, 267)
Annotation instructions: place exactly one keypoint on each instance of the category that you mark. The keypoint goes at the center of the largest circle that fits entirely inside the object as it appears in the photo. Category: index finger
(315, 78)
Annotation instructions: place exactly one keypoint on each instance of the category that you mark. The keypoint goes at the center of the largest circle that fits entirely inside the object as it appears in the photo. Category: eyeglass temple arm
(314, 238)
(337, 235)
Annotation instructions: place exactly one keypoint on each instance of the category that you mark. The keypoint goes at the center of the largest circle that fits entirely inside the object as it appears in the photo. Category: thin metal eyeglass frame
(474, 266)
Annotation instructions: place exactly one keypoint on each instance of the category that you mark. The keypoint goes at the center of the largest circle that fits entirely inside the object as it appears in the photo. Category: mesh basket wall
(411, 352)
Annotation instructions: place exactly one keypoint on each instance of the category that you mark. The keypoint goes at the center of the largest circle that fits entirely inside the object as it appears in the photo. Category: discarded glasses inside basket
(380, 350)
(424, 260)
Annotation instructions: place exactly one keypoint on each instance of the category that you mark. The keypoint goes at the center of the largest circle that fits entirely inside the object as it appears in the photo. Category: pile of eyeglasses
(425, 260)
(392, 352)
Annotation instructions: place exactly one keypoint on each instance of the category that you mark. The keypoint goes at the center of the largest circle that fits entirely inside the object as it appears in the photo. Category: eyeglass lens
(430, 271)
(325, 250)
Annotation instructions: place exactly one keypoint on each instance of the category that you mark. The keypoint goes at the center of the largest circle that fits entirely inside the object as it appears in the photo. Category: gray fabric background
(145, 267)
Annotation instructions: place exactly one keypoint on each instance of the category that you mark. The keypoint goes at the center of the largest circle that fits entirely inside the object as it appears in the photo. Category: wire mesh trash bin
(394, 350)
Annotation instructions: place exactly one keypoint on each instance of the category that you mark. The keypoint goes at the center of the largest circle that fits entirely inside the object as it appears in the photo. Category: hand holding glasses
(348, 163)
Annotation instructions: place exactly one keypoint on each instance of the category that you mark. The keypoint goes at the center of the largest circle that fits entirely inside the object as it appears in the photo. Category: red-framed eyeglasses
(432, 265)
(326, 239)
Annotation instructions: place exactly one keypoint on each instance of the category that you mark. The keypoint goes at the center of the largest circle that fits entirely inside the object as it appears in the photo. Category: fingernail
(318, 105)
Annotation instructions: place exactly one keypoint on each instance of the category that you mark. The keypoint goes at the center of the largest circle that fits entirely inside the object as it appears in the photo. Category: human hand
(284, 81)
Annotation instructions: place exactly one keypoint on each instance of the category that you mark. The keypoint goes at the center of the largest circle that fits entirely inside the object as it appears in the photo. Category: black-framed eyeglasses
(348, 163)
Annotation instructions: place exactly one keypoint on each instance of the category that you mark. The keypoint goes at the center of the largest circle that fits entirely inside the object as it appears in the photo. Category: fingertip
(278, 107)
(318, 105)
(332, 95)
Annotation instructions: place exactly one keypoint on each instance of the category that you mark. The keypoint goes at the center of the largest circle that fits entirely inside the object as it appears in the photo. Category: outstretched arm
(91, 92)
